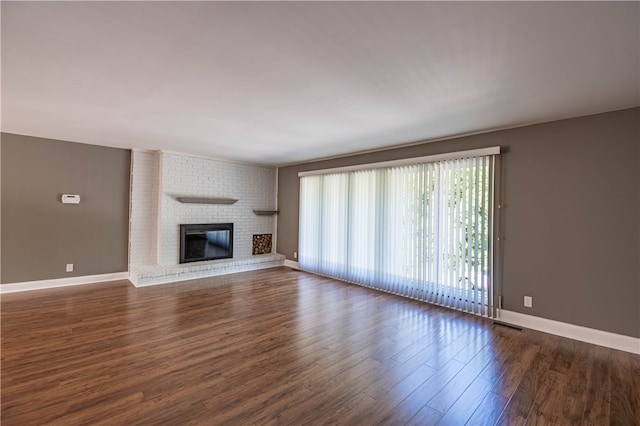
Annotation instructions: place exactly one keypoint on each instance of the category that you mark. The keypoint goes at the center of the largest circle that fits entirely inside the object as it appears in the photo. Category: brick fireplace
(160, 180)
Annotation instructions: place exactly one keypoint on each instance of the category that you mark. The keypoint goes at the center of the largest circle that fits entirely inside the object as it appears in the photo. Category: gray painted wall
(571, 220)
(40, 235)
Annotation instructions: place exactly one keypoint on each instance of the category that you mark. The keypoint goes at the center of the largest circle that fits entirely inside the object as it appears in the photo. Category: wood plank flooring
(285, 347)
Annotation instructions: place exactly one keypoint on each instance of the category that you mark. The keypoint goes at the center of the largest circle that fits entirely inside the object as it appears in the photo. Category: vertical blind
(420, 230)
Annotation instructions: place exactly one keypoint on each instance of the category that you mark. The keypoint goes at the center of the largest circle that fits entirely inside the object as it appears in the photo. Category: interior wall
(40, 235)
(571, 203)
(143, 227)
(0, 209)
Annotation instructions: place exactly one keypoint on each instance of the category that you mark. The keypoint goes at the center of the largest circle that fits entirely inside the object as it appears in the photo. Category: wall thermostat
(70, 199)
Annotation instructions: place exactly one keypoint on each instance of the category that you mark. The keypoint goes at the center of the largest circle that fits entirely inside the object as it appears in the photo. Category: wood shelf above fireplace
(203, 200)
(265, 212)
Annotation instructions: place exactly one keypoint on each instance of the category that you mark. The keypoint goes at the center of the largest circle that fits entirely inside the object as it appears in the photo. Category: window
(422, 229)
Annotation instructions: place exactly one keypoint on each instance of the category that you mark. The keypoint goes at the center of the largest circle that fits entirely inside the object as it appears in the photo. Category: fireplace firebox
(207, 241)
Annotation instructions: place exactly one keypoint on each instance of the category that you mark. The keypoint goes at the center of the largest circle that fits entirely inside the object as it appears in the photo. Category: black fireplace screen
(206, 242)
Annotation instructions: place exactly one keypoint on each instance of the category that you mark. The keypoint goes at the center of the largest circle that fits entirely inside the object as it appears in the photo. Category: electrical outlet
(528, 301)
(69, 267)
(295, 254)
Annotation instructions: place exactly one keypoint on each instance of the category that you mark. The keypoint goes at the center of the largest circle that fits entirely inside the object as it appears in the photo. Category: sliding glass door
(419, 230)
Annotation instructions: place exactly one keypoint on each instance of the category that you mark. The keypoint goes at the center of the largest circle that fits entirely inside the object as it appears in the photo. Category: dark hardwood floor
(280, 346)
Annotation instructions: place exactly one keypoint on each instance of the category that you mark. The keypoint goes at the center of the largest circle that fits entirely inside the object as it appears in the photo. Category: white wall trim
(584, 334)
(494, 150)
(62, 282)
(291, 264)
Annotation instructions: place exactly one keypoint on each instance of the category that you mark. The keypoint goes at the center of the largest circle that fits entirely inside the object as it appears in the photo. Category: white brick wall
(178, 175)
(144, 208)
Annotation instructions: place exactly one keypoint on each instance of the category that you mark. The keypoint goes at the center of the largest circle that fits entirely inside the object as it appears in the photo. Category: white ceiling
(282, 82)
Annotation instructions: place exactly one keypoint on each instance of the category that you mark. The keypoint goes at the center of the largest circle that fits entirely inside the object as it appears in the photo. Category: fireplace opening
(207, 241)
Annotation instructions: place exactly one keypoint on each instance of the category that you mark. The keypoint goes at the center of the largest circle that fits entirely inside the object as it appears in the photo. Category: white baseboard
(576, 332)
(291, 264)
(62, 282)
